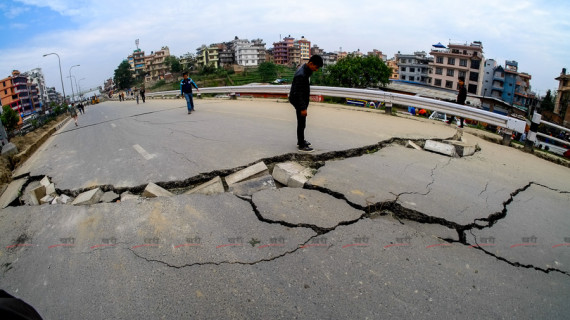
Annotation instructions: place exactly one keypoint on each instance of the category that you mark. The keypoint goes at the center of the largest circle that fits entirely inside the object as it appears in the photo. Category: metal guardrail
(375, 95)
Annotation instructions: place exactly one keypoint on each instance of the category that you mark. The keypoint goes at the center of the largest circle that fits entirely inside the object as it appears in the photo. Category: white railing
(375, 95)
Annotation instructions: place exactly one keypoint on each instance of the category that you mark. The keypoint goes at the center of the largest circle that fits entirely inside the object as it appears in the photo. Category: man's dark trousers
(301, 124)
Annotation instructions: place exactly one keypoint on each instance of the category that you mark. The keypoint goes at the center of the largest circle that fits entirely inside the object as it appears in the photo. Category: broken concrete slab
(153, 190)
(463, 149)
(36, 194)
(50, 190)
(292, 174)
(301, 206)
(298, 180)
(250, 172)
(439, 147)
(46, 199)
(63, 199)
(211, 187)
(12, 192)
(129, 196)
(45, 181)
(88, 197)
(109, 196)
(283, 171)
(411, 144)
(249, 187)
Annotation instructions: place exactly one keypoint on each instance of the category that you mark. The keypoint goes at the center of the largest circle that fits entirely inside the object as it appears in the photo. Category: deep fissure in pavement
(371, 210)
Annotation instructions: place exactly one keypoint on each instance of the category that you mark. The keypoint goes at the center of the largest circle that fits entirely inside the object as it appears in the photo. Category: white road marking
(113, 125)
(143, 152)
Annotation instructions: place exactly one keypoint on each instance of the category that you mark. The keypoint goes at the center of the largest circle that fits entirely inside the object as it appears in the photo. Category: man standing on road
(186, 90)
(142, 91)
(461, 97)
(299, 98)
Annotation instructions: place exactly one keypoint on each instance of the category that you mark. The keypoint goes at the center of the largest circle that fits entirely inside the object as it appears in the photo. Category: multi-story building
(315, 50)
(269, 57)
(281, 50)
(294, 55)
(304, 48)
(259, 45)
(246, 54)
(488, 75)
(329, 58)
(53, 95)
(208, 56)
(155, 66)
(36, 77)
(414, 67)
(137, 62)
(458, 60)
(509, 85)
(18, 93)
(227, 54)
(378, 54)
(393, 65)
(562, 104)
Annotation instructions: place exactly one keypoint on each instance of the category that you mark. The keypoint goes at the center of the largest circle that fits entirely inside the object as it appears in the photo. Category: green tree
(267, 71)
(9, 118)
(173, 64)
(124, 75)
(357, 72)
(547, 103)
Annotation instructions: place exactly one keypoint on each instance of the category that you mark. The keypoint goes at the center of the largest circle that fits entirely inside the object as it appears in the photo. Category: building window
(450, 72)
(475, 64)
(403, 69)
(403, 77)
(451, 61)
(437, 82)
(449, 84)
(463, 62)
(412, 69)
(439, 60)
(474, 76)
(438, 70)
(461, 74)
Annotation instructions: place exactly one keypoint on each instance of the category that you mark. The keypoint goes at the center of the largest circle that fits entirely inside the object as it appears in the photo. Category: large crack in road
(382, 208)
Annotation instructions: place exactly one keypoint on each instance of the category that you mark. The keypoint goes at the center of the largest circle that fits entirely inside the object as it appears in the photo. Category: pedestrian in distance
(299, 97)
(81, 108)
(186, 91)
(461, 97)
(142, 91)
(73, 113)
(137, 94)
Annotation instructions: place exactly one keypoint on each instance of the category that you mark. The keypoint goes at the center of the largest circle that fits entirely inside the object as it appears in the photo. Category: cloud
(104, 31)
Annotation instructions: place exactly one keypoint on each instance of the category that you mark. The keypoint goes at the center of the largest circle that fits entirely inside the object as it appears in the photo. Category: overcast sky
(99, 34)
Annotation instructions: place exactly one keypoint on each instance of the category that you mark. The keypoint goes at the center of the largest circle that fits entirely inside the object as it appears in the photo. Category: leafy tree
(173, 64)
(547, 102)
(124, 75)
(9, 118)
(357, 72)
(267, 71)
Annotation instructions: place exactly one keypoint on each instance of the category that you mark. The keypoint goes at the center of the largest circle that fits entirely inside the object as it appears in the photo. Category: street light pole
(60, 74)
(73, 93)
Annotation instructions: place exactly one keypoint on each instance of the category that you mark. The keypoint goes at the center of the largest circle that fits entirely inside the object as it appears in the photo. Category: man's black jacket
(462, 95)
(300, 88)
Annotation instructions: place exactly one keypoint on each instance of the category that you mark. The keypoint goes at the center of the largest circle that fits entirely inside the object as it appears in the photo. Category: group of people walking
(134, 94)
(74, 110)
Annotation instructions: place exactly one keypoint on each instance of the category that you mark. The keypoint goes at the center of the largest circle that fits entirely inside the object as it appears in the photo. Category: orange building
(18, 93)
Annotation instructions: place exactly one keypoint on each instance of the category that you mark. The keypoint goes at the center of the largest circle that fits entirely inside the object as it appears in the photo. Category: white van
(443, 117)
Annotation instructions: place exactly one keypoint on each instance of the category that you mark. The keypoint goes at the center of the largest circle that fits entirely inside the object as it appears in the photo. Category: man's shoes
(189, 112)
(307, 143)
(305, 149)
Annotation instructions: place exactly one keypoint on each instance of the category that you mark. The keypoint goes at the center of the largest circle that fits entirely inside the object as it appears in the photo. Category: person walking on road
(299, 97)
(73, 113)
(186, 90)
(142, 91)
(461, 97)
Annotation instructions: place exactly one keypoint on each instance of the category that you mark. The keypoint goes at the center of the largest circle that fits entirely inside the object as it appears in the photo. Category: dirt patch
(23, 143)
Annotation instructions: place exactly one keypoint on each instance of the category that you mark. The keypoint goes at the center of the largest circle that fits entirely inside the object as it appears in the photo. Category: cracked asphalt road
(380, 231)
